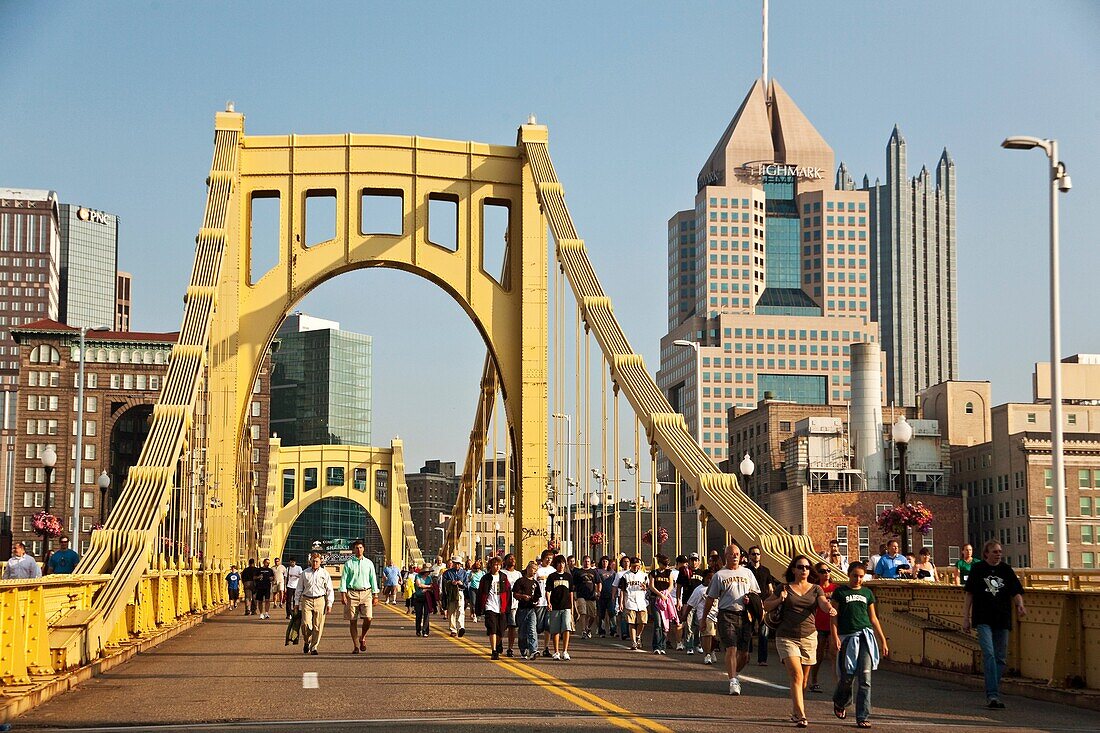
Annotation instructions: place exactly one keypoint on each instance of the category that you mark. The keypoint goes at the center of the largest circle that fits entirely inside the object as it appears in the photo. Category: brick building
(123, 375)
(808, 478)
(432, 491)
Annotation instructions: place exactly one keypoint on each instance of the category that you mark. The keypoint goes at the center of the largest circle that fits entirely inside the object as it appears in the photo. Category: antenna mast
(764, 44)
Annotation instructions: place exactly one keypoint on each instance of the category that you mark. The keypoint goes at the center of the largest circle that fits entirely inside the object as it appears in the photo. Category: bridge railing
(42, 621)
(1057, 642)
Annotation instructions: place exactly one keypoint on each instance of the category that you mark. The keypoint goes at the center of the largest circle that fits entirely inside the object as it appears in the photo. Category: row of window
(37, 499)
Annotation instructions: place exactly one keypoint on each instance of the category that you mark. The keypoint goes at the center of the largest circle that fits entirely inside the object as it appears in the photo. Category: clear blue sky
(112, 104)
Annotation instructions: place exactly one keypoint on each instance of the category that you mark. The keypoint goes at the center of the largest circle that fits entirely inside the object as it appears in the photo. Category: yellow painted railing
(1057, 642)
(42, 621)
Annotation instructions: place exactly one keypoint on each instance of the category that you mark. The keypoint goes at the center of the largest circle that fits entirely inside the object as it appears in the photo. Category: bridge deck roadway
(234, 673)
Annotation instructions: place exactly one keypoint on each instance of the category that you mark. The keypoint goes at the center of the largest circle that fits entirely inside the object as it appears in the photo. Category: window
(1086, 506)
(288, 485)
(1031, 417)
(969, 408)
(864, 543)
(255, 409)
(334, 476)
(953, 554)
(359, 479)
(842, 539)
(1088, 560)
(310, 479)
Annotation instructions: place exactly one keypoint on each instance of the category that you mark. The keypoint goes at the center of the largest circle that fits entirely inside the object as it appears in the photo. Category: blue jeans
(842, 698)
(528, 636)
(659, 632)
(762, 645)
(603, 609)
(994, 644)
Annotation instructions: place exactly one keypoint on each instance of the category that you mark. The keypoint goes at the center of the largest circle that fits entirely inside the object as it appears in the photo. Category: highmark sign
(759, 169)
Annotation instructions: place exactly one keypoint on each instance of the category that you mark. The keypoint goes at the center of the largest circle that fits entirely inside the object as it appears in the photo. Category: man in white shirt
(542, 614)
(730, 587)
(21, 565)
(293, 573)
(632, 599)
(315, 596)
(278, 588)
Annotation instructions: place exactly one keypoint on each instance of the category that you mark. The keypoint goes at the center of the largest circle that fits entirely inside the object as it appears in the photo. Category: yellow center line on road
(583, 699)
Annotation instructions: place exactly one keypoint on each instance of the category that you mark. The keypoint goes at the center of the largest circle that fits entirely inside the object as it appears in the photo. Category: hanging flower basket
(46, 525)
(896, 520)
(662, 536)
(97, 525)
(596, 539)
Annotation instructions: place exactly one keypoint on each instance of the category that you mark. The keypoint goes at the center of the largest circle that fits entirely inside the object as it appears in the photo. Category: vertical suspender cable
(656, 495)
(603, 448)
(493, 481)
(615, 438)
(637, 490)
(583, 500)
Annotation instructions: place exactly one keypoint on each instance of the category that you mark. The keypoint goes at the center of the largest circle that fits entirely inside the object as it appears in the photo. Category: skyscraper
(320, 384)
(88, 266)
(913, 273)
(769, 272)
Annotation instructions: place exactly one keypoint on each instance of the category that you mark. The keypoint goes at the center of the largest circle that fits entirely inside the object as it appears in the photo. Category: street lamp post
(1059, 182)
(694, 345)
(78, 479)
(49, 460)
(568, 457)
(902, 433)
(747, 467)
(103, 482)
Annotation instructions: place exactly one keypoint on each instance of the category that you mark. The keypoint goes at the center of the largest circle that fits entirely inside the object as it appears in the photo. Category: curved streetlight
(1059, 182)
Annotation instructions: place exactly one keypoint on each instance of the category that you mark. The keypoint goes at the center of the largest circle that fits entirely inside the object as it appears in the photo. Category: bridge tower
(508, 309)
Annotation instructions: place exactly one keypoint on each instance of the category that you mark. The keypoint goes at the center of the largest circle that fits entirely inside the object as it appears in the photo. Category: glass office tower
(88, 266)
(320, 384)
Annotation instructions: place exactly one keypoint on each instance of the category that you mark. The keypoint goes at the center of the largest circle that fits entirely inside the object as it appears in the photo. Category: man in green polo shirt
(358, 592)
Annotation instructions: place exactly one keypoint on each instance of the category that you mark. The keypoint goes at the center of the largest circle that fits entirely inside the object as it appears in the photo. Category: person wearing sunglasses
(821, 623)
(796, 636)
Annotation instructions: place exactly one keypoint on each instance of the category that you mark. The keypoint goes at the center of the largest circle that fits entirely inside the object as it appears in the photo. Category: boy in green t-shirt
(859, 641)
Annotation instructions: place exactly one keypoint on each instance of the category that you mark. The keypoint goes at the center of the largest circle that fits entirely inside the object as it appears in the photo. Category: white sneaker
(565, 656)
(556, 656)
(708, 659)
(690, 650)
(680, 647)
(698, 650)
(735, 686)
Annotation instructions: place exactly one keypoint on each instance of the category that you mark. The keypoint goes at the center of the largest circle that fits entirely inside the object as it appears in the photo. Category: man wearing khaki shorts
(585, 593)
(359, 592)
(632, 599)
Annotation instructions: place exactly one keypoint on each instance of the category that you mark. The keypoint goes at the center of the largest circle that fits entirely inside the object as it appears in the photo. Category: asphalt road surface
(234, 673)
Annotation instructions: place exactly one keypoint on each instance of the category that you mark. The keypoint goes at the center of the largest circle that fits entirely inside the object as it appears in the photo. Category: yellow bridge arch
(300, 477)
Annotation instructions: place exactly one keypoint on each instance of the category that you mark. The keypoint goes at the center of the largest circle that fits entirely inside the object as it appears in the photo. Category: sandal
(840, 712)
(863, 724)
(802, 723)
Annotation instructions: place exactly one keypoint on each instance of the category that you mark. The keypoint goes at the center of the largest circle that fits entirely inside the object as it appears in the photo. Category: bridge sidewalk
(233, 673)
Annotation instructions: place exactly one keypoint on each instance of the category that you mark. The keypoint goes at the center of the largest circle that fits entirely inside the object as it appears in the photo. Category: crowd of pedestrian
(722, 609)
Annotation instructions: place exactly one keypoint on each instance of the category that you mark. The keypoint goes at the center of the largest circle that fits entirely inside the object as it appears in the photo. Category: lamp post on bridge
(49, 460)
(103, 482)
(694, 346)
(902, 433)
(568, 458)
(78, 479)
(1059, 182)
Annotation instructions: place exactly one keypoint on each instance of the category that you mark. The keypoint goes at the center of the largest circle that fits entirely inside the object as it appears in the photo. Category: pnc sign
(759, 169)
(96, 217)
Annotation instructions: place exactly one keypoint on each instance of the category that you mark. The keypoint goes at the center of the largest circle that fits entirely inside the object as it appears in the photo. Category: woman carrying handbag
(790, 613)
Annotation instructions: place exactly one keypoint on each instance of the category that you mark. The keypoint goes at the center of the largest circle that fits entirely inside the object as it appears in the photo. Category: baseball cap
(456, 558)
(693, 556)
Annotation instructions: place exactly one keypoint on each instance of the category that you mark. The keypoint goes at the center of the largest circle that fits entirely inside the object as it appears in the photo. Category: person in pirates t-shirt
(559, 587)
(991, 591)
(690, 578)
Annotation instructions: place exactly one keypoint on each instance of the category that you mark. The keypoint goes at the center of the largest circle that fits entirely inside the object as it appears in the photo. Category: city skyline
(139, 147)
